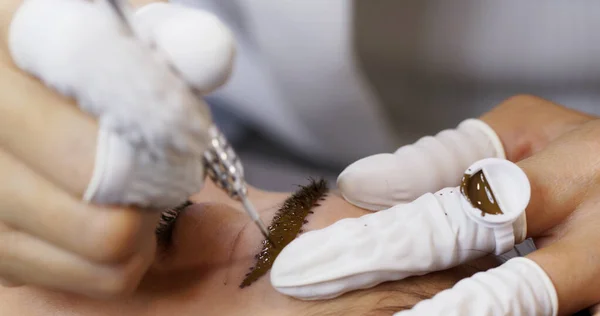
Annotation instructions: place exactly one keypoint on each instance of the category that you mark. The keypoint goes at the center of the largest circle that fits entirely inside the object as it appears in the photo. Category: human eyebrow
(285, 226)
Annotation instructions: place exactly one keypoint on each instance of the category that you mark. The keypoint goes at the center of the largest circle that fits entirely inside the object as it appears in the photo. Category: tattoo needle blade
(254, 216)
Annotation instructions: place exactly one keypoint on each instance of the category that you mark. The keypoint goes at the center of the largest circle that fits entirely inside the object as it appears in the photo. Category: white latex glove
(153, 128)
(434, 232)
(518, 287)
(433, 162)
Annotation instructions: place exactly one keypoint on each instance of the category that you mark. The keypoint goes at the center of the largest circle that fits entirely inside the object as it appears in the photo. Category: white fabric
(433, 162)
(518, 287)
(429, 234)
(153, 127)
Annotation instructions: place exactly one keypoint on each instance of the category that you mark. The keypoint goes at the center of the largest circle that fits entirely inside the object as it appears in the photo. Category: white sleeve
(518, 287)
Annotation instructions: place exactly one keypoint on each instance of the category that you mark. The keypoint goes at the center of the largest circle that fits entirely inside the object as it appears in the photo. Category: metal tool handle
(223, 165)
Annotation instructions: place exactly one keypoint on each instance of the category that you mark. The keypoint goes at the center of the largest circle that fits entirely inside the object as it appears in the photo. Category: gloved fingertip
(201, 47)
(469, 125)
(376, 183)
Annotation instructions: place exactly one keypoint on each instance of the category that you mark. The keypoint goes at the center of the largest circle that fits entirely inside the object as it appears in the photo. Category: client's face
(213, 247)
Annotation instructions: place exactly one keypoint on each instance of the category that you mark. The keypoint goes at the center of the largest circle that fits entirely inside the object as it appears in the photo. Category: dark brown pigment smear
(164, 230)
(285, 226)
(477, 191)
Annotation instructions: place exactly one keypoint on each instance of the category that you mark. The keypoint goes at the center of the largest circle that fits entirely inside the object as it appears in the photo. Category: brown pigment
(476, 189)
(285, 226)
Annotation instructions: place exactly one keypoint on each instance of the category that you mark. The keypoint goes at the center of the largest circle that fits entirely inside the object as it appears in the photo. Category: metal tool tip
(254, 215)
(265, 232)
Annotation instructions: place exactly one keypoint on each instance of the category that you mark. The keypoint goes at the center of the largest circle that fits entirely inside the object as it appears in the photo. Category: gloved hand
(153, 128)
(561, 277)
(138, 144)
(437, 231)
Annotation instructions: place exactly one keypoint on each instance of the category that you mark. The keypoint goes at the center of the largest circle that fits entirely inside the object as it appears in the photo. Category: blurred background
(319, 84)
(268, 164)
